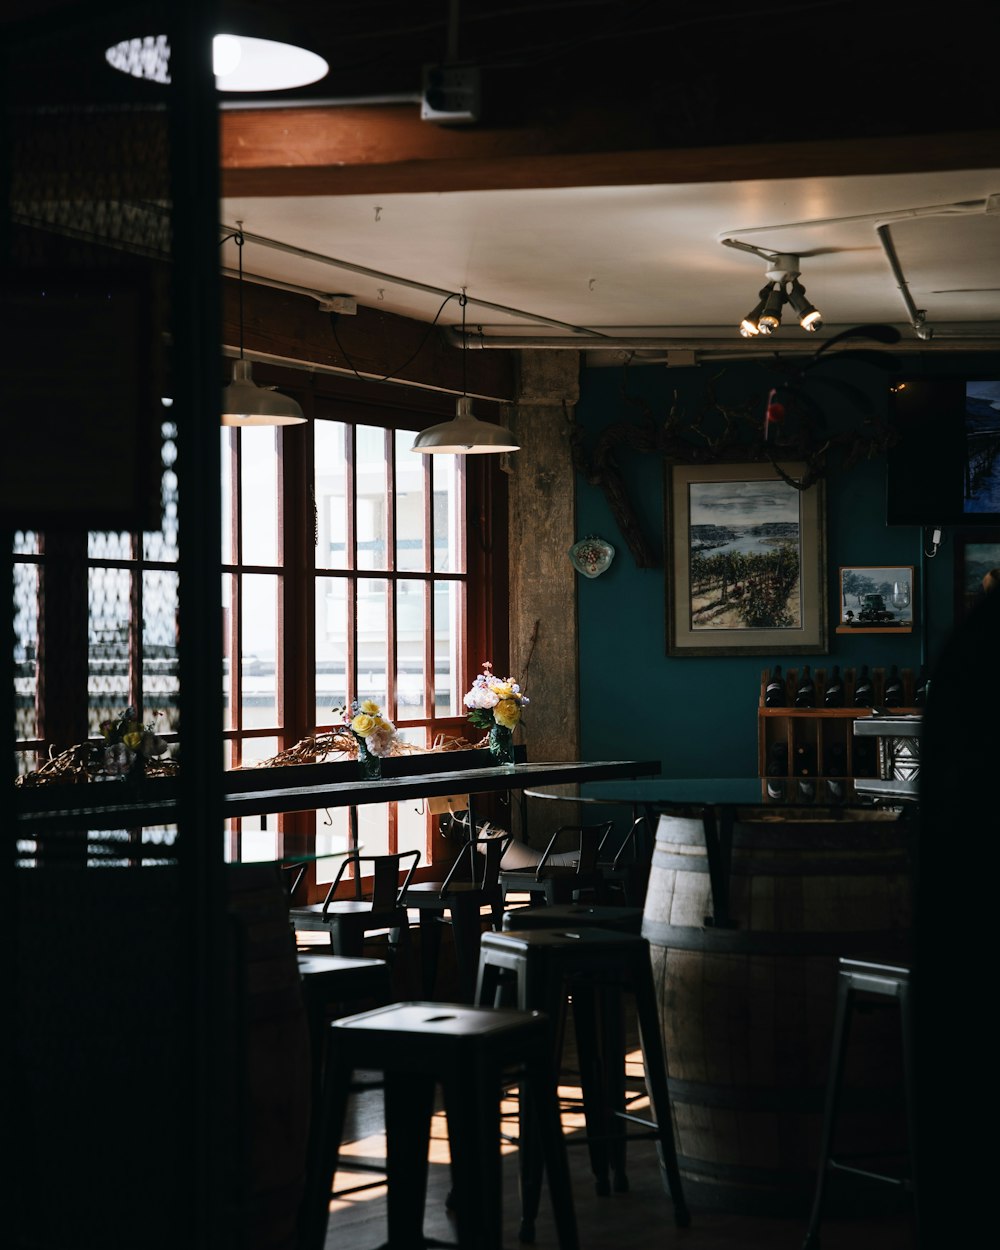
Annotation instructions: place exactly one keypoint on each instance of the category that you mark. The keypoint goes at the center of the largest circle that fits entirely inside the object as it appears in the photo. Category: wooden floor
(641, 1219)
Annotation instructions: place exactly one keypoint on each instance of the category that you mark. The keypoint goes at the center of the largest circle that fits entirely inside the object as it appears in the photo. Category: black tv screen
(944, 468)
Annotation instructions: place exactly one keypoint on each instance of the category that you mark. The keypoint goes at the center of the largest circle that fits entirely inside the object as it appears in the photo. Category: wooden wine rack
(822, 757)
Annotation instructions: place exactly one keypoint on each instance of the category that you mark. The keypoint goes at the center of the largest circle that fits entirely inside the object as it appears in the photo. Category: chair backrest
(387, 890)
(484, 854)
(590, 840)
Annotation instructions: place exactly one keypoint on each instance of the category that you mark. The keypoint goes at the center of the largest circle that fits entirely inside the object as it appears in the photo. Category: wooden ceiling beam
(388, 149)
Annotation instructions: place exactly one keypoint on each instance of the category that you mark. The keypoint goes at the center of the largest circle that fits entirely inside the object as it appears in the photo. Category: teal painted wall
(698, 715)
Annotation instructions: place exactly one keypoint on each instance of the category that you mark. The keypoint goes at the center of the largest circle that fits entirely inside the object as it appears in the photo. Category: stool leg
(655, 1065)
(465, 927)
(613, 1049)
(314, 1213)
(474, 1133)
(910, 1085)
(430, 946)
(596, 1108)
(541, 1093)
(841, 1029)
(409, 1105)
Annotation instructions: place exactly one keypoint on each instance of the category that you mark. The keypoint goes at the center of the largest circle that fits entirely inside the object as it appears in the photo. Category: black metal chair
(458, 901)
(350, 920)
(626, 870)
(564, 883)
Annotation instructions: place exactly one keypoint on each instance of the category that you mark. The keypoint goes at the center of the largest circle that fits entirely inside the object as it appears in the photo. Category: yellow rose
(370, 706)
(507, 713)
(503, 690)
(133, 741)
(363, 724)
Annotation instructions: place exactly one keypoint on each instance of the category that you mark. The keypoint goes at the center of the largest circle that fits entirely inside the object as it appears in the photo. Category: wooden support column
(543, 620)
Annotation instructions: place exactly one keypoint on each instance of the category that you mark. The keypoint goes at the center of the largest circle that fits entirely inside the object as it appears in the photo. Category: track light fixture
(809, 316)
(783, 288)
(770, 318)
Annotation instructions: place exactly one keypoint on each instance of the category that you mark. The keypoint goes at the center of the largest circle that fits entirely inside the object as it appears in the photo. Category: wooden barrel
(271, 1053)
(747, 1011)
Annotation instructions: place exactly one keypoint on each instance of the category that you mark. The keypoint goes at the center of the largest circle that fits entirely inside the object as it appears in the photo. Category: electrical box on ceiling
(450, 94)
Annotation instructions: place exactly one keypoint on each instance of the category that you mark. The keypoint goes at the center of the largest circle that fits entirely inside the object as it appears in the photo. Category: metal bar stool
(473, 1053)
(538, 969)
(887, 981)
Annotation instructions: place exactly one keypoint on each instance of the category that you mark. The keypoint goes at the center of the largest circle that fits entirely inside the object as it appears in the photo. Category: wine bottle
(833, 695)
(805, 695)
(774, 690)
(805, 760)
(864, 691)
(893, 689)
(835, 760)
(776, 769)
(923, 682)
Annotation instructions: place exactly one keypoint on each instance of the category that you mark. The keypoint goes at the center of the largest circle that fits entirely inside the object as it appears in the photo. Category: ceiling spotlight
(749, 326)
(809, 317)
(770, 318)
(239, 62)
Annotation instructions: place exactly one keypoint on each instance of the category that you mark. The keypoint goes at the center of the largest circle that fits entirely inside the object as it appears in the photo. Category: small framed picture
(876, 599)
(977, 554)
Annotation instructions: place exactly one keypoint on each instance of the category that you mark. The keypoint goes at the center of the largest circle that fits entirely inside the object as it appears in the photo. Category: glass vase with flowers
(495, 705)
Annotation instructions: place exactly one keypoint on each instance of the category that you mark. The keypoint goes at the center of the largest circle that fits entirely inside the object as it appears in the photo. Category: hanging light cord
(391, 375)
(463, 300)
(237, 235)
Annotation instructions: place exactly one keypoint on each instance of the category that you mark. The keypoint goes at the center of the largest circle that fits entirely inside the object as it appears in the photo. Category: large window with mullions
(346, 575)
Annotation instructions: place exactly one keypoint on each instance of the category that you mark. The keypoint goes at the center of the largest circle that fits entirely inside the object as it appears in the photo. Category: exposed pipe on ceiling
(917, 315)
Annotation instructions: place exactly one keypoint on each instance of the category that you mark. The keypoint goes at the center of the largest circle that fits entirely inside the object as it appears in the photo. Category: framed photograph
(976, 554)
(746, 566)
(876, 599)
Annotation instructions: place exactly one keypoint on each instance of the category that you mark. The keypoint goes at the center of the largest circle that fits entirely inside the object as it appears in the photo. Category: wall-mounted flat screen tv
(945, 466)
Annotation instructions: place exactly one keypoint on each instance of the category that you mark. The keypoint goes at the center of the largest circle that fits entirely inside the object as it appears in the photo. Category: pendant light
(243, 401)
(464, 434)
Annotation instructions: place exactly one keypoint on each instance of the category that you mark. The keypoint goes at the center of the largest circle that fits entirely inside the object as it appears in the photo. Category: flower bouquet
(495, 704)
(374, 734)
(128, 744)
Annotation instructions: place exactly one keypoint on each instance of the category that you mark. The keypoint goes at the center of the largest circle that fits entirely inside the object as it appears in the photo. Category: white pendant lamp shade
(246, 403)
(465, 435)
(241, 63)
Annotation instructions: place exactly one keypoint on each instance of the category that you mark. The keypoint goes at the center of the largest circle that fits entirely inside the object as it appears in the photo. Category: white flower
(380, 740)
(481, 696)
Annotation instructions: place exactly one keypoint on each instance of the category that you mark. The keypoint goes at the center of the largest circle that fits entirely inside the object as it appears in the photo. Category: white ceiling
(647, 262)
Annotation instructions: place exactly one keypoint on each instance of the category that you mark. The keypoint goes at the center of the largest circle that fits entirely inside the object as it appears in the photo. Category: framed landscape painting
(746, 566)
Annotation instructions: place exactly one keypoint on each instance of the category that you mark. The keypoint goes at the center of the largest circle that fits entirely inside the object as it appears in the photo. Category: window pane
(258, 650)
(373, 640)
(331, 647)
(449, 614)
(410, 648)
(372, 504)
(259, 500)
(109, 546)
(108, 650)
(333, 831)
(228, 437)
(26, 581)
(373, 830)
(228, 615)
(159, 647)
(449, 510)
(162, 543)
(331, 495)
(410, 553)
(25, 543)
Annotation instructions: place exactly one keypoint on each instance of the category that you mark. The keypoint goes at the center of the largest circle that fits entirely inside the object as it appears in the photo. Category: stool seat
(537, 968)
(473, 1053)
(570, 915)
(889, 981)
